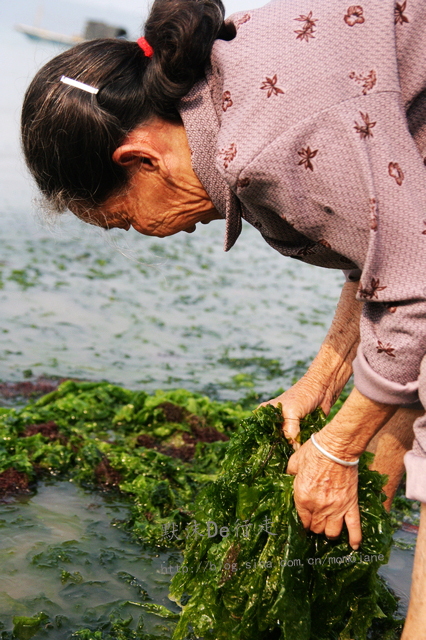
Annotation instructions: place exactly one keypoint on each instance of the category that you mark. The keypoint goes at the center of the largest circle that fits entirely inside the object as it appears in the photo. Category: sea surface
(63, 553)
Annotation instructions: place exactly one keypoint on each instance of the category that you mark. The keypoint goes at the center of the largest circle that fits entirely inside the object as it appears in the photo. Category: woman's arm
(331, 369)
(325, 492)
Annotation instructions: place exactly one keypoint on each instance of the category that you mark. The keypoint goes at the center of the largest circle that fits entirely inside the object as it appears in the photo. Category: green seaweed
(255, 572)
(99, 425)
(271, 579)
(24, 628)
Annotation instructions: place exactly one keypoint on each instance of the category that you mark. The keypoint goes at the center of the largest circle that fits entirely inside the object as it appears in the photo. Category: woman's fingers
(333, 528)
(291, 425)
(318, 524)
(353, 523)
(293, 465)
(325, 494)
(291, 428)
(306, 517)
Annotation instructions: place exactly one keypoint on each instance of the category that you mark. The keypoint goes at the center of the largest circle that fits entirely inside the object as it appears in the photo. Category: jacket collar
(202, 128)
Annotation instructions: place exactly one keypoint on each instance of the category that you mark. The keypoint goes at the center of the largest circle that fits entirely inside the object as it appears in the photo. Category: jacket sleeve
(392, 347)
(393, 334)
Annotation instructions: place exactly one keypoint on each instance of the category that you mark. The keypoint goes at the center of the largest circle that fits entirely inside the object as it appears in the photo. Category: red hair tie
(146, 47)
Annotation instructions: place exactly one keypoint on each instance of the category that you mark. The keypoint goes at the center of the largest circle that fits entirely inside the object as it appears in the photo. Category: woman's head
(69, 136)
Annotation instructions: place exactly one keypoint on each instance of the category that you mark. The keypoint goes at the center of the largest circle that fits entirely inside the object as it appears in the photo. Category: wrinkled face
(154, 207)
(164, 195)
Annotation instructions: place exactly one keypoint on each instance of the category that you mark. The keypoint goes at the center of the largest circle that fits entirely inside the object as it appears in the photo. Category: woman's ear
(134, 155)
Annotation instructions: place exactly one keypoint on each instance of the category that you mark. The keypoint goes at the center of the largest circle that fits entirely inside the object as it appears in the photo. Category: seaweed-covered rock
(251, 570)
(159, 449)
(12, 482)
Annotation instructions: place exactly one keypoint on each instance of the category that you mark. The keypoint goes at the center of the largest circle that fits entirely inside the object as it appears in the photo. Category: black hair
(70, 135)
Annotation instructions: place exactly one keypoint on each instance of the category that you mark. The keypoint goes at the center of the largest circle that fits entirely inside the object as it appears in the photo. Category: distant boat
(92, 30)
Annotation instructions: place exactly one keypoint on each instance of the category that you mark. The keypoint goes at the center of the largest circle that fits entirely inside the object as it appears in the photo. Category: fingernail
(356, 547)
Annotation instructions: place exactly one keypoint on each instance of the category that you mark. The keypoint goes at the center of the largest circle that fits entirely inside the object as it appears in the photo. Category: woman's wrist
(330, 456)
(337, 447)
(352, 428)
(328, 366)
(328, 373)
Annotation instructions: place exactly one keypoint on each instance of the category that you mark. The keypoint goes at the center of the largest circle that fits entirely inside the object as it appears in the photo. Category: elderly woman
(307, 119)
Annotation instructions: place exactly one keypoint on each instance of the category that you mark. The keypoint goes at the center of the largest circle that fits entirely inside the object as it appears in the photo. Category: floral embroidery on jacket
(389, 307)
(373, 215)
(307, 250)
(385, 348)
(270, 85)
(226, 100)
(240, 21)
(228, 154)
(364, 130)
(243, 182)
(399, 13)
(371, 292)
(308, 29)
(307, 155)
(396, 172)
(354, 15)
(324, 243)
(367, 81)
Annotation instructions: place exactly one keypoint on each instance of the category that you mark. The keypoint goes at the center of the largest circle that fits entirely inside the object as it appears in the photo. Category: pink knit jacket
(311, 125)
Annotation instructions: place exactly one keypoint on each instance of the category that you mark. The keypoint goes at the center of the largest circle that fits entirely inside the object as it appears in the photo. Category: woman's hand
(329, 372)
(302, 398)
(325, 493)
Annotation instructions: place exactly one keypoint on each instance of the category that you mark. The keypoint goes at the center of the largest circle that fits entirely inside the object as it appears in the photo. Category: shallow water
(173, 312)
(63, 528)
(397, 572)
(61, 552)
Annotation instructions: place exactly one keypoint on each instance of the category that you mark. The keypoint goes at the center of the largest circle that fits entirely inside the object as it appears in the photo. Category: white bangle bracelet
(345, 463)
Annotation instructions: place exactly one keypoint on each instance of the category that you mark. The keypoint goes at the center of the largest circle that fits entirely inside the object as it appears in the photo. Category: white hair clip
(79, 85)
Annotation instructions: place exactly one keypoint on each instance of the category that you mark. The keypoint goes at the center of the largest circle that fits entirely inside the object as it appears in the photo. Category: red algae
(13, 482)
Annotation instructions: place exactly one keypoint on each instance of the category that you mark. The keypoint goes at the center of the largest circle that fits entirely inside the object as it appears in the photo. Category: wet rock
(106, 476)
(145, 440)
(185, 452)
(13, 482)
(172, 412)
(47, 430)
(28, 388)
(205, 433)
(200, 432)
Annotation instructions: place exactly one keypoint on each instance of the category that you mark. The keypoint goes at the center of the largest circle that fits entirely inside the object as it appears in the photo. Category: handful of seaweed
(250, 569)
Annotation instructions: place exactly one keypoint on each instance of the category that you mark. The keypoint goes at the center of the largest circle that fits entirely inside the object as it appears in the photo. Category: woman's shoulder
(288, 64)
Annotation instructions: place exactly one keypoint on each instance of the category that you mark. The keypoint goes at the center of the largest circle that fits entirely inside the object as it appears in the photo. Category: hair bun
(182, 33)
